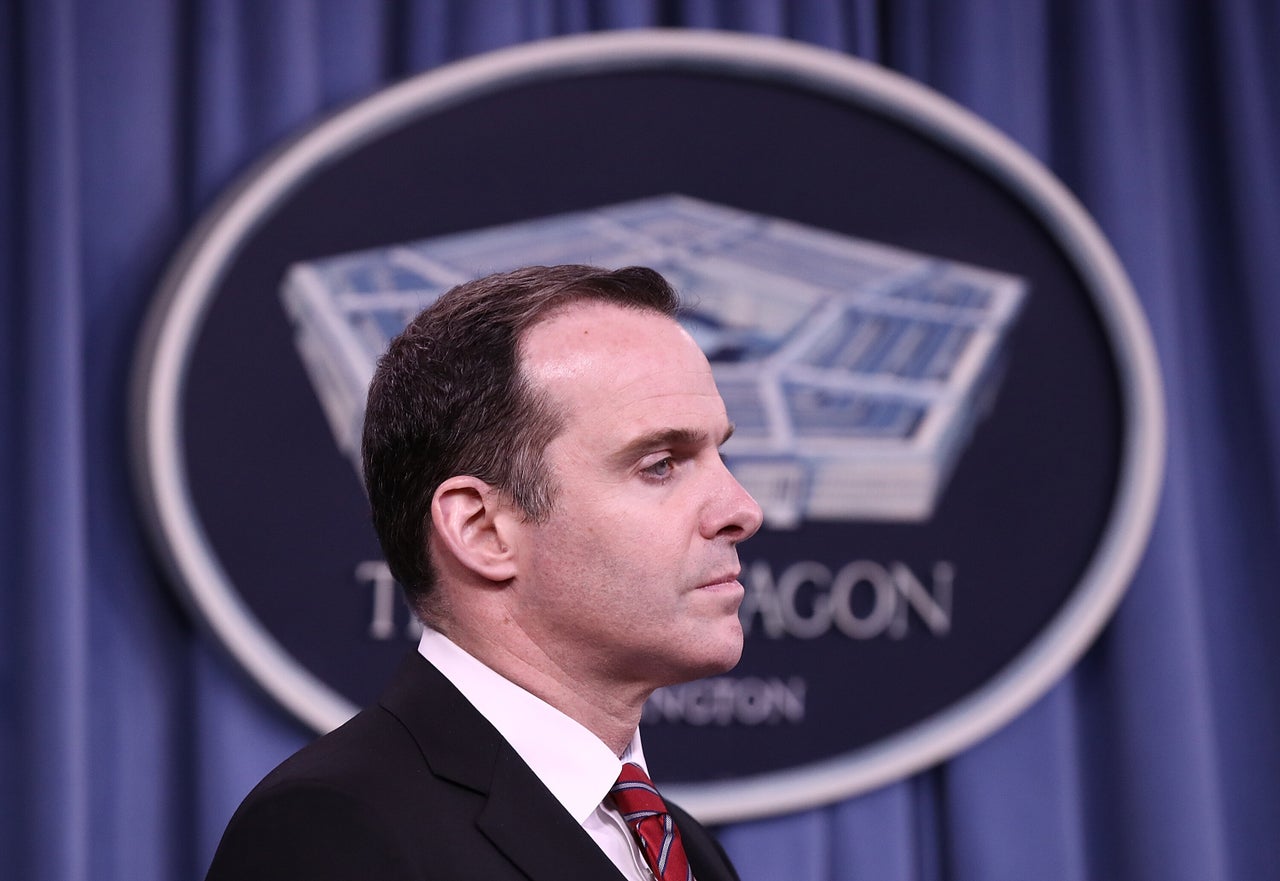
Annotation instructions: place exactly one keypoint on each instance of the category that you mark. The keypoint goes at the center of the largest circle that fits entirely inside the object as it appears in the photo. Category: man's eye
(660, 469)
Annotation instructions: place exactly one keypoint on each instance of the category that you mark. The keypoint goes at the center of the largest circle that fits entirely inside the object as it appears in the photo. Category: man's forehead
(595, 335)
(601, 356)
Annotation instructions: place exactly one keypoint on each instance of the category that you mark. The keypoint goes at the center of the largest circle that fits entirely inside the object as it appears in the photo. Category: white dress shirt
(569, 760)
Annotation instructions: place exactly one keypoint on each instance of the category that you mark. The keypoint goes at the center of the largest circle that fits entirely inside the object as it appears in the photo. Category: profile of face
(634, 575)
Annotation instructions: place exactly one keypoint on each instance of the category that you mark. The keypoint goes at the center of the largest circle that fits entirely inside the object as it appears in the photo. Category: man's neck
(609, 711)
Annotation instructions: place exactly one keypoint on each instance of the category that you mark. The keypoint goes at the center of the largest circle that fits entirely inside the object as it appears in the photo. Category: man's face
(632, 579)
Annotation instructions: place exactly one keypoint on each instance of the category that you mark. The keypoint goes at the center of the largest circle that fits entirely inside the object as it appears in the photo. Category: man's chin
(723, 660)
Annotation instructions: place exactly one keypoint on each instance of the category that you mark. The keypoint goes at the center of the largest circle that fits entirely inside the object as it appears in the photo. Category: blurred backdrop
(127, 737)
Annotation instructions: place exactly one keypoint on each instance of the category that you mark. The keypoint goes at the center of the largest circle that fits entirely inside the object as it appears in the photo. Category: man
(541, 454)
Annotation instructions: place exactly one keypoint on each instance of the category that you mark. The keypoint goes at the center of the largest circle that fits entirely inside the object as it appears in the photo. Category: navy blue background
(127, 737)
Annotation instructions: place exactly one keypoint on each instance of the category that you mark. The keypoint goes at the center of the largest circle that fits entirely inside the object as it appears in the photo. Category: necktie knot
(655, 830)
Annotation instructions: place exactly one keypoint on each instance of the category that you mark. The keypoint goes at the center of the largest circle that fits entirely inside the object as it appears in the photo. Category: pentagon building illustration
(855, 372)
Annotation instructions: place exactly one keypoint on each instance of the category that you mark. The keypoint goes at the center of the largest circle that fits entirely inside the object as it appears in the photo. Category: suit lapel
(521, 817)
(457, 742)
(706, 857)
(534, 830)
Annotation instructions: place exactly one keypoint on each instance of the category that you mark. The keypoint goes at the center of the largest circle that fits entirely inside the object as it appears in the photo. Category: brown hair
(449, 398)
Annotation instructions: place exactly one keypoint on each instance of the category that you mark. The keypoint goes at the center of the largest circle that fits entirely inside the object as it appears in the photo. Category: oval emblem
(946, 397)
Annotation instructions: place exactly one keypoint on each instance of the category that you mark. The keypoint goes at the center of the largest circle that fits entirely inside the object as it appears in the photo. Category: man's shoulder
(361, 796)
(331, 808)
(379, 746)
(370, 749)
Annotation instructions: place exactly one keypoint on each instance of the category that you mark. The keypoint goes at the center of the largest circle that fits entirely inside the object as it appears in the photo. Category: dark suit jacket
(420, 786)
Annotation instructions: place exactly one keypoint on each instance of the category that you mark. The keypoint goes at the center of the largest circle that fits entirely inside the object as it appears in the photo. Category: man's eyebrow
(663, 438)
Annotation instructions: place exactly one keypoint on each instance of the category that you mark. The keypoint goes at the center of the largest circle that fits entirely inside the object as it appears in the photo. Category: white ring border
(177, 315)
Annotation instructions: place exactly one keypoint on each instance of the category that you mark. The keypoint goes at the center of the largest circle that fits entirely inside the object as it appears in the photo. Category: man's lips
(728, 579)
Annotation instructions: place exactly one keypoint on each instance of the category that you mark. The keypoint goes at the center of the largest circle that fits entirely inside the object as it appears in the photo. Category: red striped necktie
(655, 830)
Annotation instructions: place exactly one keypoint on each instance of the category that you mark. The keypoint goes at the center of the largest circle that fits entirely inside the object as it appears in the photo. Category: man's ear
(472, 519)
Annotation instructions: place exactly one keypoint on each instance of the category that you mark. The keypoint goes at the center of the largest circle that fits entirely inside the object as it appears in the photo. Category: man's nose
(733, 512)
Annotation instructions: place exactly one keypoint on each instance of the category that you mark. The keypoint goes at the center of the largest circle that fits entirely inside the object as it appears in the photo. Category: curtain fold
(52, 568)
(128, 738)
(1241, 105)
(1024, 785)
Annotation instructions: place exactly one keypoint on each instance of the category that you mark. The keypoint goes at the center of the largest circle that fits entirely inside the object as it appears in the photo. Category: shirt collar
(569, 760)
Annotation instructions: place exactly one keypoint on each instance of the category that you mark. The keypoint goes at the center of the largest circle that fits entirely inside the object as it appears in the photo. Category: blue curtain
(126, 739)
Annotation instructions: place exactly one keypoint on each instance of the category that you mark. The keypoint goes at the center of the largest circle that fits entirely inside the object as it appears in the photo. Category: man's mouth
(727, 579)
